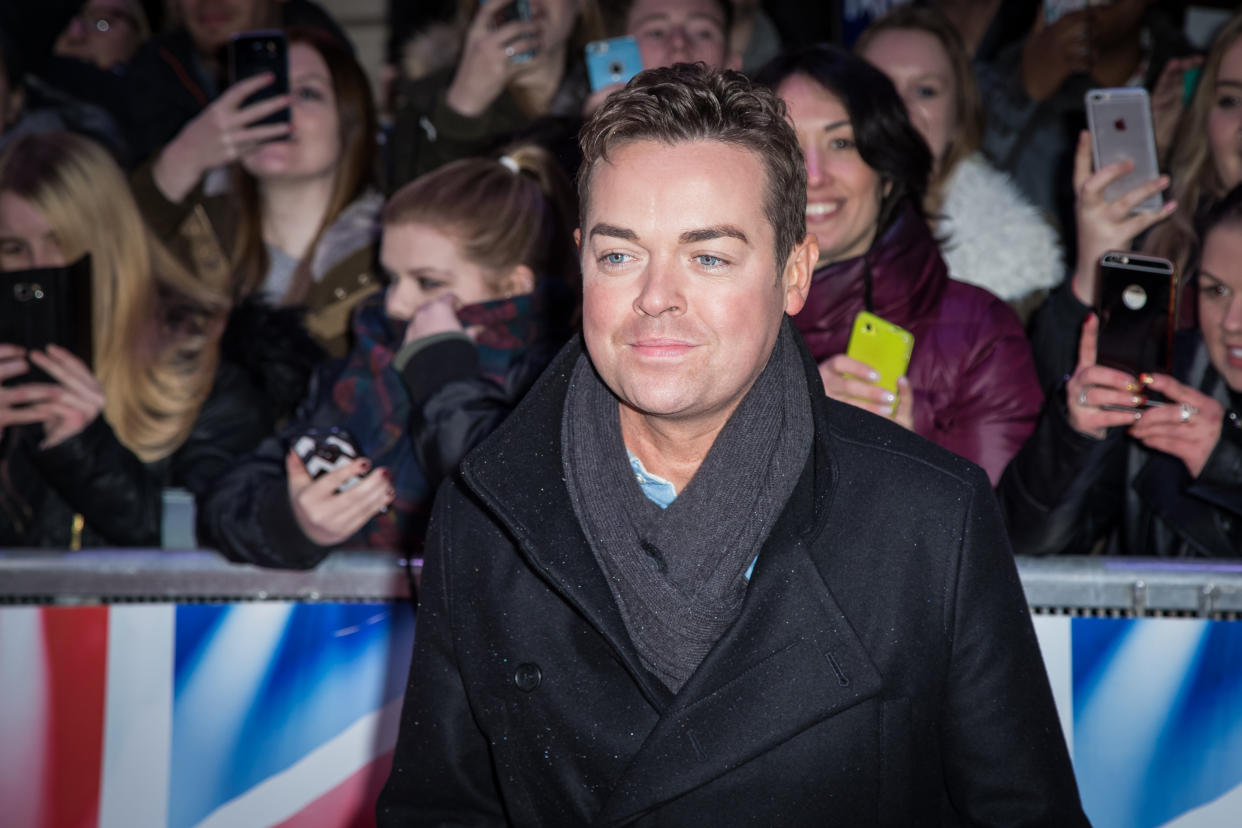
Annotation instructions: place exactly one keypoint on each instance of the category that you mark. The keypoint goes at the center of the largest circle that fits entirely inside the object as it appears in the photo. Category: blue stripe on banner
(259, 686)
(1157, 717)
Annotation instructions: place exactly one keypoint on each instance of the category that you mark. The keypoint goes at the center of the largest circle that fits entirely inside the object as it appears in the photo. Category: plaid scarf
(374, 406)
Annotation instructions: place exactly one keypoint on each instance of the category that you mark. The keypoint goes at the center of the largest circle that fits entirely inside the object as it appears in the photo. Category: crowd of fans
(397, 272)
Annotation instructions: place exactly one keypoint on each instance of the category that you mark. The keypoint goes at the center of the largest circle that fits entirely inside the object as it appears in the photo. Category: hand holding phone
(883, 346)
(1121, 128)
(330, 490)
(48, 306)
(1136, 307)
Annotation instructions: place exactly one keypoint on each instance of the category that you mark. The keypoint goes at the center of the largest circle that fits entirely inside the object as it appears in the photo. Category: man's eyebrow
(613, 231)
(719, 231)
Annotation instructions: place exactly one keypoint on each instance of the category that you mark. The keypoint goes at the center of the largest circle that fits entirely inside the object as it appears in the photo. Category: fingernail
(1131, 387)
(889, 397)
(1146, 379)
(886, 410)
(387, 474)
(874, 376)
(1138, 400)
(366, 464)
(391, 492)
(1138, 415)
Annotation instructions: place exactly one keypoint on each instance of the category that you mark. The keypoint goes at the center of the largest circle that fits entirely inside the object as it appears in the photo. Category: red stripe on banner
(350, 804)
(76, 642)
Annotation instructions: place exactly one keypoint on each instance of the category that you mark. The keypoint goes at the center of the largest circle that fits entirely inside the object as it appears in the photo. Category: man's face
(212, 22)
(682, 304)
(678, 31)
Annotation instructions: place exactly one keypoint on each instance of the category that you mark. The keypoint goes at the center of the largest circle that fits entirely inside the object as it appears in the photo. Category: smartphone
(612, 61)
(255, 53)
(48, 306)
(509, 12)
(1190, 82)
(325, 450)
(882, 345)
(1121, 130)
(1136, 307)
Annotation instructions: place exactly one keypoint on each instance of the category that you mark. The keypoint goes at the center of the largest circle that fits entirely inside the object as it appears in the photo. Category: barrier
(173, 688)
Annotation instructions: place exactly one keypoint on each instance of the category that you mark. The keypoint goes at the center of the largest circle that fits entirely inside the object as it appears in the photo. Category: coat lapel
(791, 660)
(527, 447)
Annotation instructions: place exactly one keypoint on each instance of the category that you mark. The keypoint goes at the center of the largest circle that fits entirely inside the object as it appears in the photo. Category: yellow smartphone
(882, 345)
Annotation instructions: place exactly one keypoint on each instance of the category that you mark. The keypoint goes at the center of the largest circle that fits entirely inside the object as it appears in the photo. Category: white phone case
(1121, 130)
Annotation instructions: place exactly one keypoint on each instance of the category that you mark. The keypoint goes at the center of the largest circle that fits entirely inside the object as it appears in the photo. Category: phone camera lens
(615, 67)
(867, 327)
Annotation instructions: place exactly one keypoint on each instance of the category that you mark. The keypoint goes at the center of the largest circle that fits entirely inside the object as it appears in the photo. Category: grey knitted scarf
(678, 574)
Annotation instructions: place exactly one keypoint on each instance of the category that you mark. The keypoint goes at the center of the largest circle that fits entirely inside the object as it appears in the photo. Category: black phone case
(48, 306)
(253, 53)
(1136, 311)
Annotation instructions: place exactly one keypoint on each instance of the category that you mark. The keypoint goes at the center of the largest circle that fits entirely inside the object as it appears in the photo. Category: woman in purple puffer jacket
(971, 385)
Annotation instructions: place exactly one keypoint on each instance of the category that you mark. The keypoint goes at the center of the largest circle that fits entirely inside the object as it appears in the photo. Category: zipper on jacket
(75, 532)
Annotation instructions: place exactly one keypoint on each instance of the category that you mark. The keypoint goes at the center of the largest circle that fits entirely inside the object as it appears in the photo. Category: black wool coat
(883, 669)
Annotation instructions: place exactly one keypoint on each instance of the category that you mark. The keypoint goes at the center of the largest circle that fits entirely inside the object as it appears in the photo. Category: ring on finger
(1082, 397)
(1187, 410)
(510, 51)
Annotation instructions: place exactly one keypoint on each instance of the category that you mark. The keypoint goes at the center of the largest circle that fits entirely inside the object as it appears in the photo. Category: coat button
(527, 677)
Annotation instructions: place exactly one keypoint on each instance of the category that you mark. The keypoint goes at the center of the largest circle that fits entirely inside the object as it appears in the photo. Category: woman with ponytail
(480, 266)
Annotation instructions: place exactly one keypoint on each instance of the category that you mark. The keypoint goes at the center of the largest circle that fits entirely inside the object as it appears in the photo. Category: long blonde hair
(155, 325)
(1196, 183)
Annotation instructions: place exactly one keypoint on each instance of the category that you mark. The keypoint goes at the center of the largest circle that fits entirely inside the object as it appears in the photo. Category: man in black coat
(679, 586)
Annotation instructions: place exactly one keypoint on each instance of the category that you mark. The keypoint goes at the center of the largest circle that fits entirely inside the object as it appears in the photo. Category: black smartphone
(1136, 307)
(255, 53)
(325, 450)
(48, 306)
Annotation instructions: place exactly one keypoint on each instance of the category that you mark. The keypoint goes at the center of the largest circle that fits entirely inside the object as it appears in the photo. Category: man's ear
(519, 280)
(799, 268)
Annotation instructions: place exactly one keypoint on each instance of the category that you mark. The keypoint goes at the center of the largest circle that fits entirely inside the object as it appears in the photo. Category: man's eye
(614, 258)
(708, 260)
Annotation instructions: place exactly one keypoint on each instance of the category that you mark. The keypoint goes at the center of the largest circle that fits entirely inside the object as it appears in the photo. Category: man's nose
(660, 291)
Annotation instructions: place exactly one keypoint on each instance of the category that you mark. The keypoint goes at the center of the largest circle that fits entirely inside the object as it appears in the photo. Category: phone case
(325, 450)
(1121, 130)
(48, 306)
(612, 61)
(1136, 311)
(882, 345)
(253, 53)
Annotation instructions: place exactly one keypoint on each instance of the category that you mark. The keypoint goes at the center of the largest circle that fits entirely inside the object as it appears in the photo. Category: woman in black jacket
(88, 448)
(1165, 480)
(463, 329)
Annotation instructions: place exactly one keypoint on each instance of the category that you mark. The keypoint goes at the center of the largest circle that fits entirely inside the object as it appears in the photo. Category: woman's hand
(486, 65)
(851, 381)
(17, 402)
(1166, 100)
(1188, 427)
(1053, 53)
(220, 134)
(65, 407)
(437, 316)
(1107, 225)
(329, 517)
(1093, 386)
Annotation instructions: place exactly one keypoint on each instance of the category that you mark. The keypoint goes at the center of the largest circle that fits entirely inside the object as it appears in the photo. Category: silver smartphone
(1121, 130)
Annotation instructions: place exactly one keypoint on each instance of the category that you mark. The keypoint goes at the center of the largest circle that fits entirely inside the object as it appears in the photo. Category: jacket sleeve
(442, 770)
(1005, 757)
(453, 406)
(997, 399)
(1055, 330)
(247, 515)
(1064, 490)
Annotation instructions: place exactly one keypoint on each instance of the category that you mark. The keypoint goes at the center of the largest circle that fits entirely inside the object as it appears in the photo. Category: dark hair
(1228, 210)
(690, 102)
(354, 173)
(885, 138)
(513, 211)
(11, 61)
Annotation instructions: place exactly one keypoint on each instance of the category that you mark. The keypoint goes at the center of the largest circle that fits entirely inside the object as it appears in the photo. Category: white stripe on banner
(138, 717)
(1053, 632)
(278, 798)
(23, 714)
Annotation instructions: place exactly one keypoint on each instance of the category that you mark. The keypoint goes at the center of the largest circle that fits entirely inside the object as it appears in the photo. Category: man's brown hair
(690, 102)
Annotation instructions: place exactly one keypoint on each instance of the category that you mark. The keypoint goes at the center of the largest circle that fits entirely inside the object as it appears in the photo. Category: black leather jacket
(1064, 492)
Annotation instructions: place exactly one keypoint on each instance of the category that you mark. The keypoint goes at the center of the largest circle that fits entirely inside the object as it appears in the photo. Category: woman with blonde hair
(85, 456)
(1206, 158)
(480, 265)
(990, 234)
